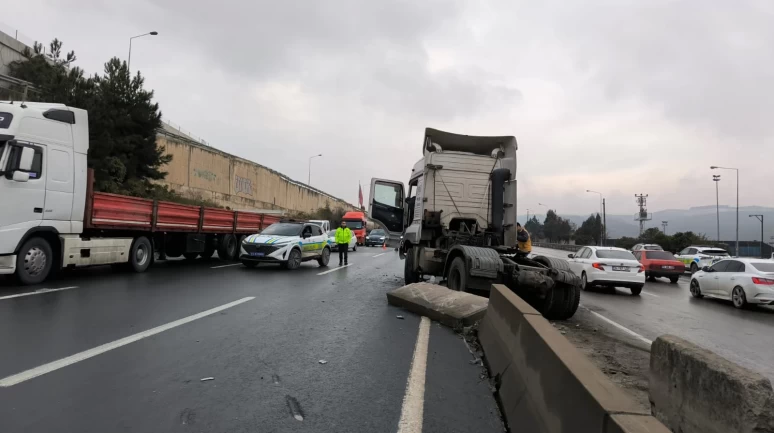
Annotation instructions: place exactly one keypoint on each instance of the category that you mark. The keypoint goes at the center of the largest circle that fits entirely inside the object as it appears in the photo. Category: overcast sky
(621, 96)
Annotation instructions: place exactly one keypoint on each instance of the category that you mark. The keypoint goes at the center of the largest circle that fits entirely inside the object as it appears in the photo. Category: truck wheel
(558, 264)
(140, 254)
(325, 257)
(191, 256)
(566, 297)
(227, 248)
(409, 274)
(458, 275)
(34, 262)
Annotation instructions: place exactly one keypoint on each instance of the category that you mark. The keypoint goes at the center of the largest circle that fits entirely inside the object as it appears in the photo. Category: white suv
(607, 266)
(288, 243)
(697, 257)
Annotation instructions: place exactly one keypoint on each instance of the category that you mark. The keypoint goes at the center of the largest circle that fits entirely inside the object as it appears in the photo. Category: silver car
(741, 281)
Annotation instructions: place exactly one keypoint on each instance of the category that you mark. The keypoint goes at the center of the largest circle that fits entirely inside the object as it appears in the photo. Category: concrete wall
(10, 51)
(544, 383)
(204, 172)
(693, 390)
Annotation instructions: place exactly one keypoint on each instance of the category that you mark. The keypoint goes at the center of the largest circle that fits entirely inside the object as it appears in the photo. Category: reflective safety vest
(343, 235)
(523, 245)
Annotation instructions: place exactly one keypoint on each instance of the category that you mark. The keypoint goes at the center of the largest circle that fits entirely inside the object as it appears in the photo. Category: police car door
(318, 240)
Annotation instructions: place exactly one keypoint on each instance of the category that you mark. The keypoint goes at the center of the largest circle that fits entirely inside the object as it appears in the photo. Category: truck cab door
(385, 205)
(22, 191)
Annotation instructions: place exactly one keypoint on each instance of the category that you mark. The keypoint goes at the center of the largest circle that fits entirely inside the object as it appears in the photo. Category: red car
(660, 264)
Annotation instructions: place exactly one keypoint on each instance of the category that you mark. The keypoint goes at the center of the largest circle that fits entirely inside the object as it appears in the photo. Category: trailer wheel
(409, 274)
(227, 247)
(140, 254)
(458, 275)
(566, 297)
(34, 262)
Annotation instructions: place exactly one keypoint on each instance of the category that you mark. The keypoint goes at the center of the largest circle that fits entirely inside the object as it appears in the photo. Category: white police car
(288, 243)
(697, 257)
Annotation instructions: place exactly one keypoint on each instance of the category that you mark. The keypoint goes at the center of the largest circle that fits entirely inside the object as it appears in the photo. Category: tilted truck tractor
(50, 217)
(458, 223)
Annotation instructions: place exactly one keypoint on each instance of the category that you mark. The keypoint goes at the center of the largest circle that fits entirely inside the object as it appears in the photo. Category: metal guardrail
(563, 247)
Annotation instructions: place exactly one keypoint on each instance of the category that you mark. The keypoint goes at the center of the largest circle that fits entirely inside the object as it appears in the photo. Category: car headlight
(381, 238)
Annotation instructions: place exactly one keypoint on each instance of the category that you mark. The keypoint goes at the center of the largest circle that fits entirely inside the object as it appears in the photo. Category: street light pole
(129, 61)
(714, 167)
(601, 209)
(716, 179)
(760, 218)
(309, 177)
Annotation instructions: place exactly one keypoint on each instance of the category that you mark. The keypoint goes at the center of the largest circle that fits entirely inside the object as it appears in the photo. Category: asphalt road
(743, 336)
(262, 346)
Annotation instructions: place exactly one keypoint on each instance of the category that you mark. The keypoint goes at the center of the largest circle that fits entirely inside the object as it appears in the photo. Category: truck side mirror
(21, 176)
(25, 162)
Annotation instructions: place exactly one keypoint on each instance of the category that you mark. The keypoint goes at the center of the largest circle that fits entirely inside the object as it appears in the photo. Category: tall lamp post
(760, 218)
(716, 179)
(129, 62)
(602, 211)
(309, 177)
(714, 167)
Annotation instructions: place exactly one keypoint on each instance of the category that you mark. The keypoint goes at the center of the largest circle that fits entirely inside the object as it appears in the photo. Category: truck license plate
(620, 268)
(256, 254)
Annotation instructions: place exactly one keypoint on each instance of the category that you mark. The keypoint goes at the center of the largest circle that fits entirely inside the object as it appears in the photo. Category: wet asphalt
(263, 355)
(742, 336)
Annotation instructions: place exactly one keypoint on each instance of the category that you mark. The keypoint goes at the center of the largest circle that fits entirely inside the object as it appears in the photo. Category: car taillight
(763, 281)
(642, 269)
(598, 266)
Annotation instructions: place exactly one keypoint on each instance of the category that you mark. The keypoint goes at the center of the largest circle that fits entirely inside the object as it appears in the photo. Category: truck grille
(265, 249)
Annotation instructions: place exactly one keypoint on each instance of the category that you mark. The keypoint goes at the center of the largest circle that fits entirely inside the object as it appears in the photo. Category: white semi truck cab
(43, 169)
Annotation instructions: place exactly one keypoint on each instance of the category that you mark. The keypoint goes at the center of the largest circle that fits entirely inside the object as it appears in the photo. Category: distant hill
(701, 219)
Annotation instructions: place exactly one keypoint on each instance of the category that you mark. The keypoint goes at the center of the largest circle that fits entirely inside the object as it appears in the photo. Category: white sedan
(741, 281)
(607, 266)
(335, 247)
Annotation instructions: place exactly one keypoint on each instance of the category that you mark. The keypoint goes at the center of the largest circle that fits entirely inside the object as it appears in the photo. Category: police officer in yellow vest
(524, 242)
(343, 236)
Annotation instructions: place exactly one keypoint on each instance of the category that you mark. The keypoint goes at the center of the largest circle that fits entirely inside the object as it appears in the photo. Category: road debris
(322, 361)
(399, 317)
(205, 379)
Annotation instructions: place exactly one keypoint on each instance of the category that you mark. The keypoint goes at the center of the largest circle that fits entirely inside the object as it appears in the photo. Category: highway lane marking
(82, 356)
(379, 255)
(225, 266)
(412, 412)
(334, 270)
(36, 292)
(650, 294)
(621, 327)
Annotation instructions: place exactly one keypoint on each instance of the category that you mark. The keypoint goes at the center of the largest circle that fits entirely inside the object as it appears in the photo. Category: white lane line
(72, 359)
(621, 327)
(36, 292)
(225, 266)
(649, 294)
(379, 255)
(334, 270)
(412, 412)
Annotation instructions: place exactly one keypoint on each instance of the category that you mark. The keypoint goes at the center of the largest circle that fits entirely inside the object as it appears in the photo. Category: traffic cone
(384, 244)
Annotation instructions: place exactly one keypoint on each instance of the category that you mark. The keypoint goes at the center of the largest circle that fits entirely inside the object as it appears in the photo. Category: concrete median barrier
(544, 383)
(693, 390)
(449, 307)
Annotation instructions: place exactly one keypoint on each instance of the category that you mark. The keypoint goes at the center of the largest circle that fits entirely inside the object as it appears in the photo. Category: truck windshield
(354, 224)
(283, 229)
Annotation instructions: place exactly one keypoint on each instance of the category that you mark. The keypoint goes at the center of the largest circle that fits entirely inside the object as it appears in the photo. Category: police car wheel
(694, 268)
(325, 257)
(294, 259)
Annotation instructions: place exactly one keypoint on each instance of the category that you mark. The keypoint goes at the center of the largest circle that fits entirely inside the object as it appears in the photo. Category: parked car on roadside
(609, 267)
(653, 247)
(660, 264)
(335, 247)
(696, 257)
(376, 237)
(741, 281)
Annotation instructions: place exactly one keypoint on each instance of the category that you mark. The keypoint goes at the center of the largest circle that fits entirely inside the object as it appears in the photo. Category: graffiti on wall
(243, 185)
(205, 174)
